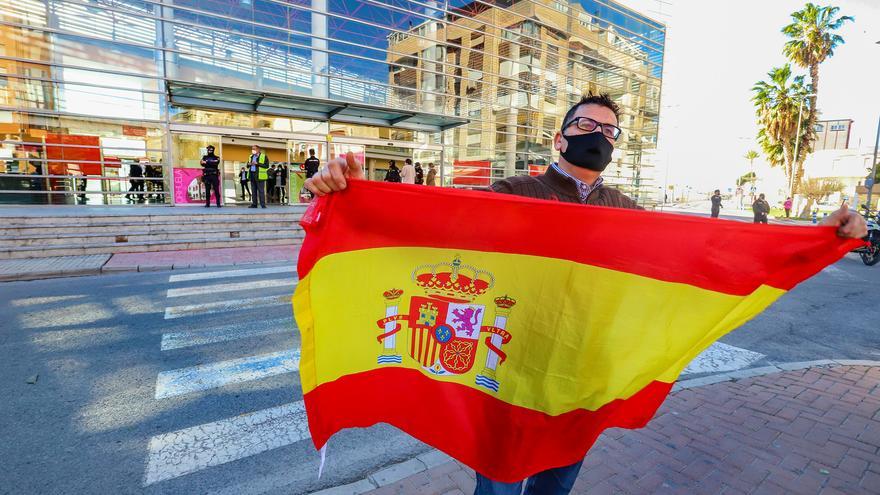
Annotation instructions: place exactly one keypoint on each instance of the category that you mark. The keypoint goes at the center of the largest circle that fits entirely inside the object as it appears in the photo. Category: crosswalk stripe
(722, 357)
(179, 340)
(839, 273)
(231, 287)
(172, 312)
(202, 377)
(192, 449)
(231, 273)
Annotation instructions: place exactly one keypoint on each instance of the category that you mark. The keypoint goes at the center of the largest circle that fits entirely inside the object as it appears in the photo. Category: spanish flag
(510, 332)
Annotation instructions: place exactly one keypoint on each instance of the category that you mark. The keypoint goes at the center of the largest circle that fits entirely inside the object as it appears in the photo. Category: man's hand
(849, 223)
(334, 177)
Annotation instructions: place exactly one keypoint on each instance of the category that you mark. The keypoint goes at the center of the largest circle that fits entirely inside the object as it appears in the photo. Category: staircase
(70, 231)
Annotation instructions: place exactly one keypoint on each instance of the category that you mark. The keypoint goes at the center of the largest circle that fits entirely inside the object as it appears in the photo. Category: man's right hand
(334, 177)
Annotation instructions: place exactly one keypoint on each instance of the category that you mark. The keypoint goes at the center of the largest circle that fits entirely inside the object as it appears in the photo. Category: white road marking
(839, 273)
(722, 357)
(195, 378)
(179, 340)
(192, 449)
(172, 312)
(232, 273)
(232, 287)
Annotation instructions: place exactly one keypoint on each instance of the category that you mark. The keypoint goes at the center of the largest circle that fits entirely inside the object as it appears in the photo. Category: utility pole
(870, 181)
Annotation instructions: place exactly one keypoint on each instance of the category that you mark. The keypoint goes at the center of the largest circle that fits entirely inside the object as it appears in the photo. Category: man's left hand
(849, 223)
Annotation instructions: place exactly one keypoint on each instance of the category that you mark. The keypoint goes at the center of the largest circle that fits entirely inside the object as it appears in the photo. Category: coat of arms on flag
(444, 324)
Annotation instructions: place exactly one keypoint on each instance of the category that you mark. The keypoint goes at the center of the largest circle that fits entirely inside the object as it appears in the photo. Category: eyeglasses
(587, 124)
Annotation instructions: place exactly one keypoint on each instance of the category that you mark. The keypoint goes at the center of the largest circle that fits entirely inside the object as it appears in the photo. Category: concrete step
(140, 228)
(139, 234)
(227, 215)
(140, 247)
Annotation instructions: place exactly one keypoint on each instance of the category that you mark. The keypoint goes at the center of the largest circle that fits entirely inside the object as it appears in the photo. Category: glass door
(187, 170)
(305, 157)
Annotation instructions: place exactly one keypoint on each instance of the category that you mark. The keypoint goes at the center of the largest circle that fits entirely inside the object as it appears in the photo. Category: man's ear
(559, 142)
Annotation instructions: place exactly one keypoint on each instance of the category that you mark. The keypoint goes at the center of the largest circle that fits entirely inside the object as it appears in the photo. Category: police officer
(259, 167)
(211, 175)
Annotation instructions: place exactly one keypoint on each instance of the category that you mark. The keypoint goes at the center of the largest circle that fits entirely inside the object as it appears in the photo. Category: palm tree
(776, 106)
(812, 41)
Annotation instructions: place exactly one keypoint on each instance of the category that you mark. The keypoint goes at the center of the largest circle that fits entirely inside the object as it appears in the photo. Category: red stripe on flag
(499, 440)
(723, 256)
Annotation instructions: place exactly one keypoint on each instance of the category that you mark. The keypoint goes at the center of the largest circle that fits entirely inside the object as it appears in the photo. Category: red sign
(130, 130)
(536, 170)
(84, 156)
(471, 173)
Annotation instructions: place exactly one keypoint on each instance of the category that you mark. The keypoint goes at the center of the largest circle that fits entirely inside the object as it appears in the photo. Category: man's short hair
(601, 99)
(311, 152)
(408, 160)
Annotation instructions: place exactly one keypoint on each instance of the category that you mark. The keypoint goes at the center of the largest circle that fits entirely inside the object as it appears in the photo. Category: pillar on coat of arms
(389, 343)
(486, 378)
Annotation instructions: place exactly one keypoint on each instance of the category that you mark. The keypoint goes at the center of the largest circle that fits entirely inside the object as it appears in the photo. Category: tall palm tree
(777, 104)
(750, 156)
(813, 39)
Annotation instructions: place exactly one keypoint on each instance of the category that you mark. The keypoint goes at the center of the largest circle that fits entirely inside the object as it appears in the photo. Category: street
(186, 381)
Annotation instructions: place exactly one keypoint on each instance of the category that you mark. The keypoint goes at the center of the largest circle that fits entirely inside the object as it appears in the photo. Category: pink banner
(188, 189)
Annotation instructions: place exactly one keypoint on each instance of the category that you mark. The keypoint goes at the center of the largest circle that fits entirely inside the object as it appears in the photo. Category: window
(819, 128)
(838, 127)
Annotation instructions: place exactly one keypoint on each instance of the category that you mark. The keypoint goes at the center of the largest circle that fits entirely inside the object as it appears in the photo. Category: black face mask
(591, 151)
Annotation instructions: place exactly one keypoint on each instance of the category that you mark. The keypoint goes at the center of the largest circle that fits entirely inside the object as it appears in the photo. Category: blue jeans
(556, 481)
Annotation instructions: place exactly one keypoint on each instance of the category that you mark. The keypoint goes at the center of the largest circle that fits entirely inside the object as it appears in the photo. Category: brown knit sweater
(555, 186)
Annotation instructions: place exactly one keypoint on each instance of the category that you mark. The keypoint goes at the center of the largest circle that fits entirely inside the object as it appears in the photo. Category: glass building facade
(114, 101)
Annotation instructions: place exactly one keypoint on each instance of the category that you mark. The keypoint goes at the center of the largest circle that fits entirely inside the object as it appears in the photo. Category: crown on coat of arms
(505, 302)
(454, 280)
(392, 294)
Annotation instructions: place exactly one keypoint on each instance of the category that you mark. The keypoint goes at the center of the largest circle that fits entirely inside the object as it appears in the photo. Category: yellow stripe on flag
(628, 331)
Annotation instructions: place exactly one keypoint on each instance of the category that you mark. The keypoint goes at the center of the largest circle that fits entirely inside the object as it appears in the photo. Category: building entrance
(289, 157)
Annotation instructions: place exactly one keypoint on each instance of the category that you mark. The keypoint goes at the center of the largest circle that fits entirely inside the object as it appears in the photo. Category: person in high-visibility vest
(259, 173)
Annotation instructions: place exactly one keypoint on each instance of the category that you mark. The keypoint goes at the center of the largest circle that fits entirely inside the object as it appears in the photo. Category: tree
(813, 40)
(777, 103)
(746, 179)
(750, 156)
(817, 190)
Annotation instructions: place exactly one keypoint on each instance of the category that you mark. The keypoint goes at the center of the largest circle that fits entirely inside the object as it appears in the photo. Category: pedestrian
(420, 175)
(211, 175)
(431, 179)
(393, 174)
(136, 182)
(585, 142)
(259, 165)
(408, 172)
(787, 206)
(716, 203)
(281, 184)
(761, 208)
(270, 184)
(243, 181)
(311, 164)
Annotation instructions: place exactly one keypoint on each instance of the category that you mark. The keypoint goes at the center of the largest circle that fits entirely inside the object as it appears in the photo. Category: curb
(433, 458)
(23, 277)
(178, 266)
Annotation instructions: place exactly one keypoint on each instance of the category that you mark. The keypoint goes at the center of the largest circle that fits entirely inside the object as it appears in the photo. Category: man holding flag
(585, 142)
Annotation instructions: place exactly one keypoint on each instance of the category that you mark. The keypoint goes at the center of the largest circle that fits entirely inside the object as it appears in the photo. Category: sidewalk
(809, 431)
(73, 266)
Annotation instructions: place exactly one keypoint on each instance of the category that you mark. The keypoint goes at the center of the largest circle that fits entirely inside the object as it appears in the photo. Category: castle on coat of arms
(443, 325)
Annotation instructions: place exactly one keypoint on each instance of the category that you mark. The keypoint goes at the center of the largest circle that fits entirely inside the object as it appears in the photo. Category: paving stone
(783, 433)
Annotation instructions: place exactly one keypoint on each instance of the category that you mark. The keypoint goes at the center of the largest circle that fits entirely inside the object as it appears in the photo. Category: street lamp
(797, 142)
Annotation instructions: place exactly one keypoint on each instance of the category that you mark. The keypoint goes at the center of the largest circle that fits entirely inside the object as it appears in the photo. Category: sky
(715, 52)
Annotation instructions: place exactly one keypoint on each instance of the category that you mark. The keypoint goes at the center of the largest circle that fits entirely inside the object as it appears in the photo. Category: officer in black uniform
(211, 176)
